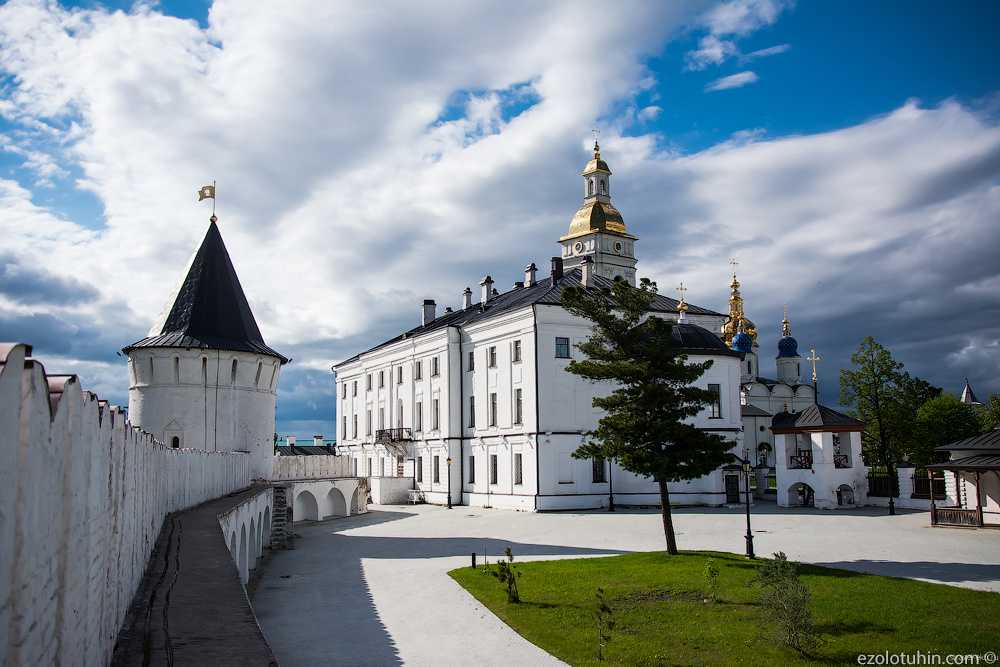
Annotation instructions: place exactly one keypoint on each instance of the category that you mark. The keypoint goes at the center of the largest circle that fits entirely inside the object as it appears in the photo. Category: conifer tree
(646, 425)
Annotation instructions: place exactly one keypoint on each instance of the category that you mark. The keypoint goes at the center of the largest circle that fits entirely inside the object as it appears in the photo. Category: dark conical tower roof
(210, 310)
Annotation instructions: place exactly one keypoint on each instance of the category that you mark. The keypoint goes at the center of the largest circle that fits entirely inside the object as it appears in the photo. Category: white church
(476, 406)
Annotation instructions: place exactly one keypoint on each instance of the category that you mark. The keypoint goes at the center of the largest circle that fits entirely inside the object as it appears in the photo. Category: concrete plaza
(373, 589)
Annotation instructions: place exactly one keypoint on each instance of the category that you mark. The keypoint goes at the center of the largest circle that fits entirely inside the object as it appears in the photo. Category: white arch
(355, 501)
(801, 494)
(260, 535)
(336, 502)
(252, 555)
(305, 507)
(243, 554)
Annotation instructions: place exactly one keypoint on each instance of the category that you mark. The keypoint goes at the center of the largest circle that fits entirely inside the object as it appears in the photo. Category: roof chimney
(587, 272)
(518, 284)
(557, 268)
(318, 440)
(467, 299)
(529, 274)
(486, 289)
(429, 312)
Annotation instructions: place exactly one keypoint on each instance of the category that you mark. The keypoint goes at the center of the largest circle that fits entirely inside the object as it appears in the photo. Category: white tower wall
(193, 396)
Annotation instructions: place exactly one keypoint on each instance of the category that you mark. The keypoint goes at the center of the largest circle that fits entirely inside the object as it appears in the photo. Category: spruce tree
(646, 425)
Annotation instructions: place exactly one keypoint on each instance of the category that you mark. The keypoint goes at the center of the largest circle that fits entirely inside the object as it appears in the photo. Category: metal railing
(955, 516)
(388, 435)
(841, 461)
(801, 461)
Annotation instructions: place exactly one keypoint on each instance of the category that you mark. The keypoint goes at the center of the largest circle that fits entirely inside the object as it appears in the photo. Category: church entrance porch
(801, 495)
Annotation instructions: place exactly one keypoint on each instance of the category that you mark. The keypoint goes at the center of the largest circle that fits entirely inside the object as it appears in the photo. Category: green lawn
(662, 617)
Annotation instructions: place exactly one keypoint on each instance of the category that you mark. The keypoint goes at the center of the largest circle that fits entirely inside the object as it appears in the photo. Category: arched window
(604, 187)
(260, 367)
(590, 187)
(151, 370)
(232, 376)
(204, 370)
(177, 370)
(274, 374)
(175, 442)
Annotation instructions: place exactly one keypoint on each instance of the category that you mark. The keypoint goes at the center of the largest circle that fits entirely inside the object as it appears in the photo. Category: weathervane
(208, 192)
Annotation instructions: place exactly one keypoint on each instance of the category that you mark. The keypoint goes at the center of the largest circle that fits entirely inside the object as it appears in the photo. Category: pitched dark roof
(815, 418)
(989, 441)
(544, 292)
(977, 462)
(753, 411)
(210, 310)
(306, 450)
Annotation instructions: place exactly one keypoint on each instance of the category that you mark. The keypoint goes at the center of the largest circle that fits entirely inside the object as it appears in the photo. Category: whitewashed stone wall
(82, 498)
(310, 467)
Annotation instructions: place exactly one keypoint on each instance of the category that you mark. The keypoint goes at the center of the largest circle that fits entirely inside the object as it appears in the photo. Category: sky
(371, 155)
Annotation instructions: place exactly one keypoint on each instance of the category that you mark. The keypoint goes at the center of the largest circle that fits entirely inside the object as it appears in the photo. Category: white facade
(212, 400)
(835, 475)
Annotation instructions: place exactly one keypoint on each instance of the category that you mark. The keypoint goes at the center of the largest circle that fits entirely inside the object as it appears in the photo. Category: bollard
(473, 560)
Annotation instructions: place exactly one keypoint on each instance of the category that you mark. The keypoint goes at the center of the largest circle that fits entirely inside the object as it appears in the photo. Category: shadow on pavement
(921, 569)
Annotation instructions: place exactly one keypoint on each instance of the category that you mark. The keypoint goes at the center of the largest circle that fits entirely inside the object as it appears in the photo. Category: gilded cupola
(597, 214)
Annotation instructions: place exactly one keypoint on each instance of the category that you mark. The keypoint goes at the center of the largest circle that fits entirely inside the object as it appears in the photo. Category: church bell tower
(597, 230)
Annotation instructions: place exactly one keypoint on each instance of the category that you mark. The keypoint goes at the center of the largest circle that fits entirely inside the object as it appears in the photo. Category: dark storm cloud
(30, 285)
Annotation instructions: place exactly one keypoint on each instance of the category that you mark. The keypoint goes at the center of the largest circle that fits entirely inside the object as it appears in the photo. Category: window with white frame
(437, 469)
(354, 426)
(381, 379)
(418, 370)
(381, 418)
(343, 427)
(518, 406)
(435, 366)
(399, 375)
(343, 390)
(515, 353)
(598, 475)
(493, 469)
(715, 408)
(472, 412)
(368, 426)
(354, 388)
(472, 469)
(493, 409)
(472, 361)
(399, 413)
(518, 469)
(418, 416)
(368, 382)
(492, 356)
(562, 348)
(420, 469)
(435, 414)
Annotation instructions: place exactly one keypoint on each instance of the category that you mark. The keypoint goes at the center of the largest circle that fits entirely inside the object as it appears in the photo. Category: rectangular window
(354, 388)
(437, 470)
(493, 468)
(435, 366)
(343, 390)
(418, 370)
(354, 467)
(368, 382)
(369, 467)
(518, 470)
(399, 375)
(515, 354)
(562, 348)
(493, 409)
(418, 416)
(599, 477)
(472, 360)
(472, 412)
(368, 425)
(420, 469)
(343, 427)
(354, 427)
(492, 356)
(472, 470)
(381, 379)
(716, 406)
(435, 415)
(381, 418)
(518, 416)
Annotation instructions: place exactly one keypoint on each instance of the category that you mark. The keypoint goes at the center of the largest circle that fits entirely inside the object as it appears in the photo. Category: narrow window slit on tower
(232, 377)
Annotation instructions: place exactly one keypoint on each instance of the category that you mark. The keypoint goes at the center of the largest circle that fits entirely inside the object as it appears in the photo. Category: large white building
(204, 378)
(476, 405)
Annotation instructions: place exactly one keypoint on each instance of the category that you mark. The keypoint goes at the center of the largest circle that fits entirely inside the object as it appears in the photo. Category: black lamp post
(448, 461)
(746, 466)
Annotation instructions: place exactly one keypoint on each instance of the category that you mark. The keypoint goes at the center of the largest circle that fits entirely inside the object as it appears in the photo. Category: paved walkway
(373, 589)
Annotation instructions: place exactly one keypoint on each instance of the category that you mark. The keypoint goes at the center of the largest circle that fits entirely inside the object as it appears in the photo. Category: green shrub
(784, 601)
(712, 580)
(507, 575)
(604, 616)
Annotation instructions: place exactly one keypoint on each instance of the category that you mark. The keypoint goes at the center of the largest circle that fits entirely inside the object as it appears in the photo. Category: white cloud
(737, 80)
(727, 21)
(649, 113)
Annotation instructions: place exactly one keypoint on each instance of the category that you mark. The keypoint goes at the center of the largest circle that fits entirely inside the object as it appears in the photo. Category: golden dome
(596, 216)
(596, 163)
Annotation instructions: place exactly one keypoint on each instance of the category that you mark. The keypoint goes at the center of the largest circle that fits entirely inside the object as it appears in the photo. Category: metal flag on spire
(208, 192)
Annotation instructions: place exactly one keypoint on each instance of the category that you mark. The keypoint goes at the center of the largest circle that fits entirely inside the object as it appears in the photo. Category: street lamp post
(745, 464)
(448, 461)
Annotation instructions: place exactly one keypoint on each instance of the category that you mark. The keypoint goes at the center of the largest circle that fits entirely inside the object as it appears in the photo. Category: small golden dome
(596, 163)
(596, 216)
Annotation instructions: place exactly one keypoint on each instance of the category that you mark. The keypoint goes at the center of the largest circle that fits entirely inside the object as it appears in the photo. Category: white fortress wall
(310, 467)
(83, 496)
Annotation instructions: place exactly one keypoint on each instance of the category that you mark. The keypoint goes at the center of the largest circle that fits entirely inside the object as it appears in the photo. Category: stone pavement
(373, 589)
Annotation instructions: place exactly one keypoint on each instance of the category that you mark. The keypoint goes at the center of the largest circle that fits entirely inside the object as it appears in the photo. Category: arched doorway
(356, 501)
(336, 502)
(845, 495)
(252, 556)
(305, 507)
(243, 554)
(801, 495)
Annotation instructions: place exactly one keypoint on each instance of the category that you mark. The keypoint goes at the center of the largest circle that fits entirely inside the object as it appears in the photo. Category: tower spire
(786, 326)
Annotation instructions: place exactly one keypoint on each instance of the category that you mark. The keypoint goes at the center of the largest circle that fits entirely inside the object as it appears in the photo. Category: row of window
(598, 470)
